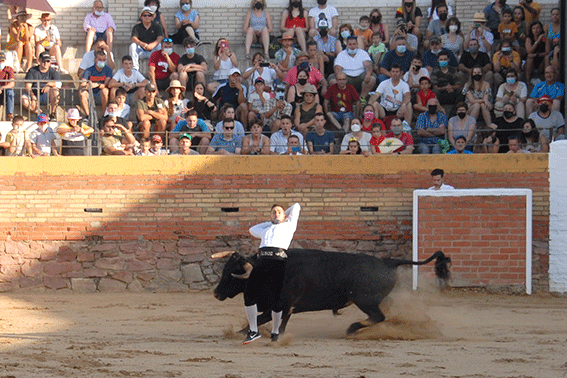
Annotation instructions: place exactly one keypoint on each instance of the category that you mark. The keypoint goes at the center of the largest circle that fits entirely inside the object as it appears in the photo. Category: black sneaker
(251, 337)
(275, 337)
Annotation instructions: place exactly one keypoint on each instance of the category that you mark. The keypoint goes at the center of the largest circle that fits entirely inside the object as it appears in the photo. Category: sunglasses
(229, 128)
(167, 40)
(146, 15)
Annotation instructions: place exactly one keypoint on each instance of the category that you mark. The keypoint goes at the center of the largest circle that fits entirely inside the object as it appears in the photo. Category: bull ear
(247, 269)
(220, 255)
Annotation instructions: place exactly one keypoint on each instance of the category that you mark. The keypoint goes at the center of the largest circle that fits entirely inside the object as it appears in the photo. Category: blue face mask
(352, 52)
(401, 49)
(443, 64)
(345, 34)
(511, 80)
(190, 50)
(186, 7)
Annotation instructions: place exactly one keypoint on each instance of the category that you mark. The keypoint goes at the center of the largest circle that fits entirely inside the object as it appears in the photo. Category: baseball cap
(156, 139)
(355, 127)
(44, 56)
(147, 10)
(259, 80)
(186, 135)
(424, 77)
(42, 118)
(73, 113)
(150, 87)
(434, 39)
(233, 71)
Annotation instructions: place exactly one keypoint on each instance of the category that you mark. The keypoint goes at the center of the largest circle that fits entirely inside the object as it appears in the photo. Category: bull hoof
(354, 327)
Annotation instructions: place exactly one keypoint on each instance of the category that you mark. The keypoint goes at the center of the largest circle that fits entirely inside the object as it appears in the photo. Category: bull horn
(220, 255)
(247, 268)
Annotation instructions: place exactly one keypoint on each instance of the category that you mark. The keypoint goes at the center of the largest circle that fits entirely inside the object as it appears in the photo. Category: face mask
(100, 64)
(345, 34)
(397, 130)
(442, 16)
(462, 115)
(302, 81)
(408, 5)
(352, 52)
(321, 2)
(477, 77)
(417, 68)
(363, 27)
(436, 51)
(511, 80)
(544, 108)
(186, 7)
(153, 8)
(432, 109)
(473, 50)
(2, 65)
(508, 114)
(99, 13)
(453, 28)
(323, 33)
(276, 221)
(369, 116)
(506, 50)
(443, 64)
(114, 115)
(190, 50)
(401, 49)
(258, 6)
(376, 20)
(168, 51)
(296, 4)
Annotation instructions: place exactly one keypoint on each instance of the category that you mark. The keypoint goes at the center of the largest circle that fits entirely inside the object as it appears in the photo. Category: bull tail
(441, 264)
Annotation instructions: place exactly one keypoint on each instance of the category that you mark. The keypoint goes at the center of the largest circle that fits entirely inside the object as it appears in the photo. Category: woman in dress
(462, 125)
(453, 40)
(258, 25)
(478, 96)
(294, 20)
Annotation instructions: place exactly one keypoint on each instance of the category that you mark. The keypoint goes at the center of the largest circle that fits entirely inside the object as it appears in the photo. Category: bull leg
(285, 319)
(370, 307)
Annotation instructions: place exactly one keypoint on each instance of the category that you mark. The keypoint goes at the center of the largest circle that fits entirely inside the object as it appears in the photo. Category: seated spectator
(346, 31)
(294, 20)
(113, 111)
(505, 126)
(412, 42)
(369, 119)
(196, 128)
(129, 79)
(431, 126)
(187, 21)
(157, 18)
(47, 38)
(97, 78)
(553, 40)
(530, 138)
(340, 102)
(432, 10)
(555, 90)
(520, 21)
(278, 107)
(507, 29)
(531, 9)
(378, 26)
(504, 59)
(151, 112)
(116, 139)
(176, 104)
(394, 96)
(513, 91)
(361, 136)
(88, 59)
(471, 58)
(257, 26)
(377, 51)
(411, 14)
(492, 14)
(285, 57)
(123, 108)
(278, 140)
(255, 143)
(224, 60)
(33, 96)
(364, 31)
(323, 14)
(258, 102)
(20, 41)
(162, 68)
(452, 40)
(99, 24)
(397, 131)
(269, 72)
(462, 125)
(353, 148)
(145, 148)
(235, 94)
(16, 142)
(415, 73)
(294, 146)
(316, 57)
(431, 57)
(191, 66)
(425, 93)
(357, 65)
(146, 37)
(444, 76)
(157, 146)
(225, 143)
(478, 96)
(437, 27)
(73, 134)
(326, 45)
(315, 77)
(227, 111)
(535, 49)
(320, 141)
(185, 143)
(42, 139)
(397, 56)
(550, 123)
(7, 87)
(304, 115)
(514, 143)
(377, 138)
(205, 108)
(459, 147)
(479, 31)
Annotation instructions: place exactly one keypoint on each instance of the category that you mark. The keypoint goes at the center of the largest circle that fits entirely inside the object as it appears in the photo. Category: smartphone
(265, 64)
(279, 95)
(296, 149)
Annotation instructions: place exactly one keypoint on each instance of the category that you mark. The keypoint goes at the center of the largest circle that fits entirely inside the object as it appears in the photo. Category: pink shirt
(314, 78)
(100, 23)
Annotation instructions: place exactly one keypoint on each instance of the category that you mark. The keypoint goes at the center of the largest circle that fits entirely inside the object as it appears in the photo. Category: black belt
(272, 252)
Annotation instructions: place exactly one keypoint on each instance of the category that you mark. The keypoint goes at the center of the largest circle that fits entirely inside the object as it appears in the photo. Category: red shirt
(314, 78)
(158, 61)
(341, 98)
(376, 141)
(406, 139)
(369, 128)
(6, 74)
(425, 98)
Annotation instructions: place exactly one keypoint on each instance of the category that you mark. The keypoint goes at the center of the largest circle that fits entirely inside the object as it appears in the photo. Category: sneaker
(198, 43)
(363, 102)
(251, 337)
(275, 337)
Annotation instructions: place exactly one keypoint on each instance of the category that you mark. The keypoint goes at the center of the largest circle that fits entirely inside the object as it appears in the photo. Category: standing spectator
(187, 21)
(549, 122)
(397, 131)
(48, 90)
(411, 14)
(224, 60)
(377, 51)
(151, 112)
(462, 126)
(116, 142)
(471, 58)
(294, 20)
(492, 14)
(431, 126)
(162, 67)
(191, 66)
(555, 90)
(452, 40)
(513, 91)
(507, 125)
(17, 142)
(323, 13)
(255, 143)
(437, 27)
(235, 94)
(394, 95)
(536, 50)
(157, 144)
(479, 31)
(361, 136)
(225, 143)
(354, 148)
(42, 139)
(97, 77)
(146, 38)
(47, 38)
(73, 134)
(446, 84)
(258, 26)
(129, 79)
(320, 141)
(7, 87)
(478, 96)
(99, 24)
(340, 102)
(279, 139)
(89, 57)
(357, 65)
(20, 41)
(378, 26)
(399, 55)
(377, 138)
(532, 10)
(285, 57)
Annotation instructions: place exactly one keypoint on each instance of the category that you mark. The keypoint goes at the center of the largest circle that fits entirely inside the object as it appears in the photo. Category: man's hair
(319, 114)
(99, 53)
(364, 18)
(293, 136)
(145, 140)
(106, 119)
(513, 137)
(507, 11)
(461, 137)
(194, 113)
(443, 53)
(311, 43)
(395, 119)
(276, 205)
(418, 57)
(188, 41)
(17, 118)
(400, 37)
(376, 125)
(285, 116)
(120, 92)
(437, 172)
(99, 39)
(111, 102)
(127, 58)
(227, 120)
(396, 65)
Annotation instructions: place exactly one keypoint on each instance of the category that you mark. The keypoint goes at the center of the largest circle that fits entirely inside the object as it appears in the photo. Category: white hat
(147, 9)
(234, 70)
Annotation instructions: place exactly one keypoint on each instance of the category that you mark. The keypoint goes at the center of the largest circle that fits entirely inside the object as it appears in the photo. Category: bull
(316, 280)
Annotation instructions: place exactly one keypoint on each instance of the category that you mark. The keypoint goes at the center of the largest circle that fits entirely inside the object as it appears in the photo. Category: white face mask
(453, 28)
(99, 13)
(168, 50)
(2, 65)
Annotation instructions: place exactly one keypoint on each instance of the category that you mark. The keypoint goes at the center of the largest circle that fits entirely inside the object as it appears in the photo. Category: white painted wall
(558, 217)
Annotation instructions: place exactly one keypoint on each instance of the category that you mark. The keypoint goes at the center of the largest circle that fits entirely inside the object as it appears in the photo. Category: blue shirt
(320, 142)
(424, 122)
(218, 142)
(225, 93)
(404, 61)
(182, 126)
(325, 47)
(454, 152)
(97, 77)
(554, 90)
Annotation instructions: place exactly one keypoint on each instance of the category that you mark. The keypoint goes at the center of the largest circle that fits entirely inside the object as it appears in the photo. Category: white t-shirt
(52, 31)
(443, 187)
(135, 78)
(422, 72)
(353, 66)
(328, 13)
(89, 60)
(268, 74)
(364, 141)
(391, 98)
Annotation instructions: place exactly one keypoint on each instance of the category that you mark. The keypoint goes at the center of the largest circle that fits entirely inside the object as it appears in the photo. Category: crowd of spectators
(425, 79)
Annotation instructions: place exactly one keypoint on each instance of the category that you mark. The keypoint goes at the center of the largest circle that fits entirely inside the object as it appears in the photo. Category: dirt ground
(454, 334)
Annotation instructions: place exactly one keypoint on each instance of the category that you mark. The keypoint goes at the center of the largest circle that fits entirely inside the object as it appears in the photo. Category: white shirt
(135, 78)
(364, 141)
(422, 72)
(443, 187)
(353, 66)
(328, 13)
(278, 142)
(51, 30)
(278, 235)
(391, 98)
(89, 60)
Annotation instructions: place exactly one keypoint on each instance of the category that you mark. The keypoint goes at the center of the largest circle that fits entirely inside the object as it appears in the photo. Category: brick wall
(163, 216)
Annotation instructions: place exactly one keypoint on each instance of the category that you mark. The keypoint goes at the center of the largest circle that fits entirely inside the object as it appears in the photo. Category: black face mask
(442, 16)
(296, 4)
(302, 81)
(376, 20)
(323, 33)
(417, 68)
(477, 77)
(258, 6)
(408, 5)
(321, 2)
(544, 108)
(508, 114)
(462, 115)
(432, 109)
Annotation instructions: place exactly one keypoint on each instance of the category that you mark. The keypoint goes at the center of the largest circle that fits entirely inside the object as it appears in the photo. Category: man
(129, 79)
(492, 14)
(550, 123)
(146, 37)
(268, 274)
(431, 56)
(431, 127)
(412, 42)
(42, 139)
(278, 140)
(394, 95)
(197, 128)
(320, 141)
(438, 180)
(446, 84)
(163, 65)
(340, 102)
(357, 65)
(514, 144)
(315, 76)
(362, 137)
(397, 131)
(225, 143)
(116, 142)
(99, 24)
(7, 87)
(234, 93)
(285, 57)
(438, 26)
(479, 31)
(460, 147)
(532, 10)
(185, 142)
(191, 66)
(399, 55)
(325, 14)
(47, 38)
(326, 45)
(98, 76)
(48, 90)
(89, 57)
(151, 111)
(278, 107)
(555, 90)
(472, 57)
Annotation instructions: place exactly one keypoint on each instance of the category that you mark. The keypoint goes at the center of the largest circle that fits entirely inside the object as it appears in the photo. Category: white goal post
(475, 193)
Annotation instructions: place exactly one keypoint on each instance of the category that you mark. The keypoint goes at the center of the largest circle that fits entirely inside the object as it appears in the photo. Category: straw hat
(479, 17)
(22, 13)
(175, 84)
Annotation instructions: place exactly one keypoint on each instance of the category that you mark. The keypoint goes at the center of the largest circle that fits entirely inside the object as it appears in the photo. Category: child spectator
(364, 31)
(157, 145)
(376, 51)
(129, 79)
(258, 102)
(294, 146)
(145, 148)
(73, 134)
(16, 142)
(353, 148)
(508, 28)
(42, 139)
(424, 95)
(123, 107)
(377, 138)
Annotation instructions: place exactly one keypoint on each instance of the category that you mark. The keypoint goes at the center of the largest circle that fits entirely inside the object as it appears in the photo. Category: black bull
(316, 280)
